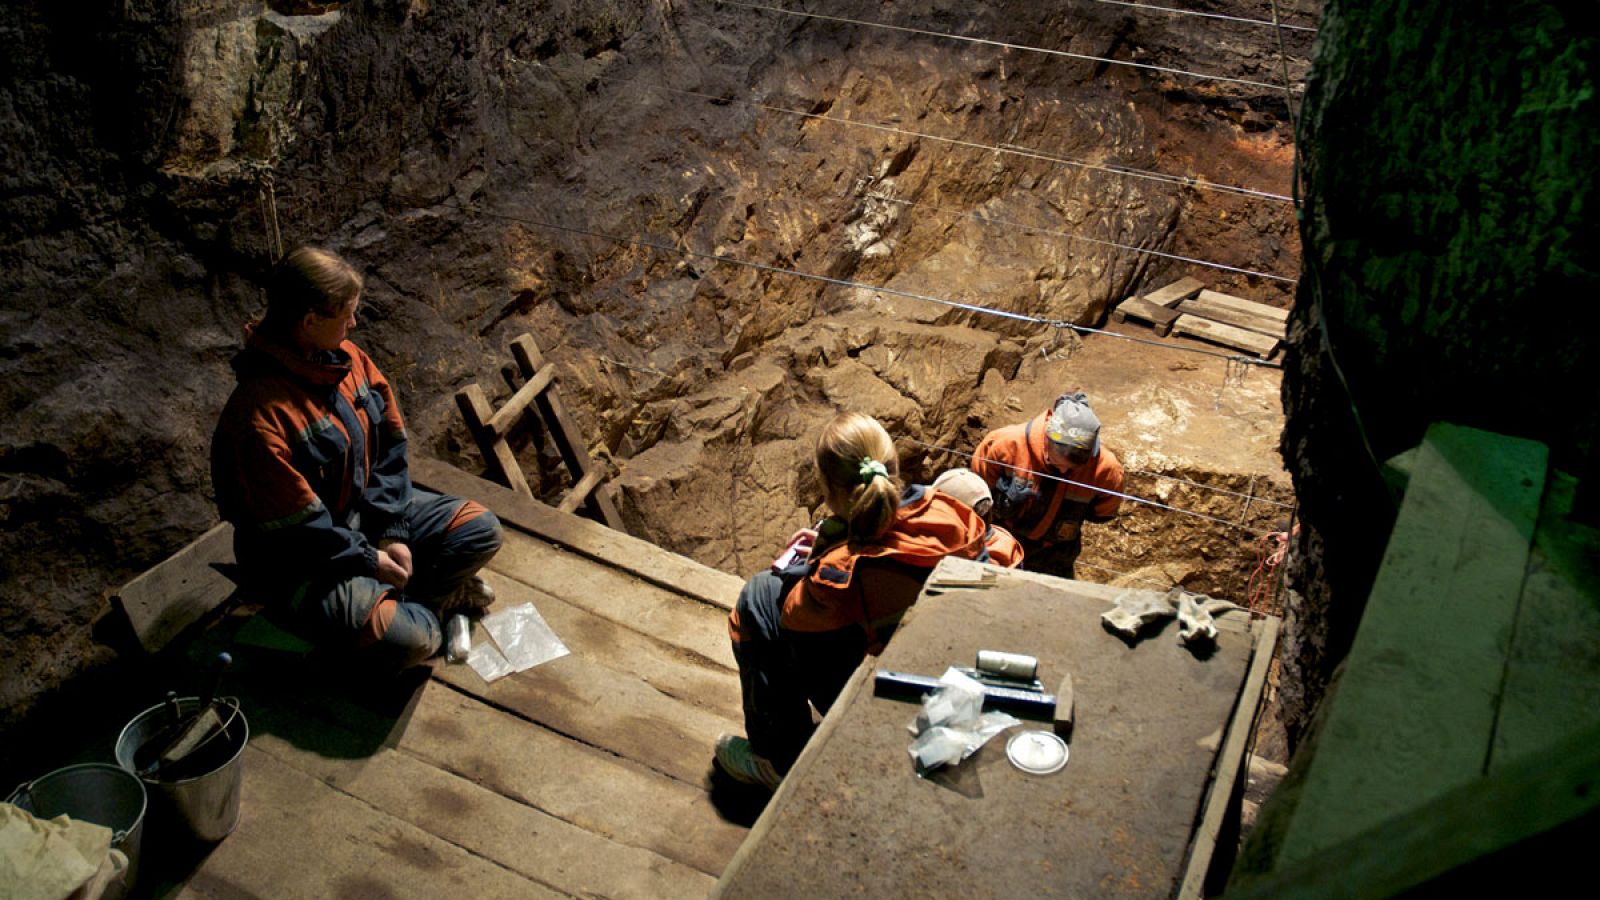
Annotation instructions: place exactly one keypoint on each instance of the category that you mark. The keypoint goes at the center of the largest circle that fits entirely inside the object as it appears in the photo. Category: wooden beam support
(497, 453)
(506, 418)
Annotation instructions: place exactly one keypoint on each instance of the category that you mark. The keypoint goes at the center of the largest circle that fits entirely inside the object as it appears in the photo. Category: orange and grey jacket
(871, 586)
(303, 451)
(1044, 510)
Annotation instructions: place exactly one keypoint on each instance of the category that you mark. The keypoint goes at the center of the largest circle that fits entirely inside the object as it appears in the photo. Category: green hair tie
(870, 469)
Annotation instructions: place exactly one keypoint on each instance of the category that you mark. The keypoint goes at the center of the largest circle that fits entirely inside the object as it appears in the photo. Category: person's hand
(803, 540)
(797, 551)
(394, 564)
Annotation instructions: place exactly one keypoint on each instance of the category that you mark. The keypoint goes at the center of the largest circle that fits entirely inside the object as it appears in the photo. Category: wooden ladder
(490, 428)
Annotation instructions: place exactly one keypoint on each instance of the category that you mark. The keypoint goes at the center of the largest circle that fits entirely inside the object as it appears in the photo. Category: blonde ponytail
(856, 459)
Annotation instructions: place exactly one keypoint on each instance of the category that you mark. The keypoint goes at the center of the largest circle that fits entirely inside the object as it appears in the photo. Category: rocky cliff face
(575, 169)
(1451, 240)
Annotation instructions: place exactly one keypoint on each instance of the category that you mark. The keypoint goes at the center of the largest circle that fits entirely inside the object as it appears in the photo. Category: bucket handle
(24, 788)
(117, 834)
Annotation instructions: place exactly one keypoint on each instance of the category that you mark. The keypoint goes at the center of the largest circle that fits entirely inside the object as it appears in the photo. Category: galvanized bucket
(93, 792)
(206, 805)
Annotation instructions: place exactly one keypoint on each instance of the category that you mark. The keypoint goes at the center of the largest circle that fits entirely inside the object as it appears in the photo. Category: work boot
(736, 757)
(472, 597)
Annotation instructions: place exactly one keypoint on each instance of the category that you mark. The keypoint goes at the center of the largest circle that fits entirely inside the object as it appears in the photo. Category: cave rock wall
(1450, 238)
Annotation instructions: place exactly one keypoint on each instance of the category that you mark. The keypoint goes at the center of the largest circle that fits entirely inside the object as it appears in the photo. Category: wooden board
(1231, 763)
(1158, 316)
(523, 839)
(1216, 332)
(1430, 851)
(1169, 295)
(1203, 307)
(1241, 305)
(354, 850)
(667, 667)
(588, 787)
(617, 549)
(689, 625)
(1116, 821)
(601, 707)
(179, 591)
(1412, 715)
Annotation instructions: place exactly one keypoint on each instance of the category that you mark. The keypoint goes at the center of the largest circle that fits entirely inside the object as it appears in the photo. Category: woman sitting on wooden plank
(800, 630)
(309, 464)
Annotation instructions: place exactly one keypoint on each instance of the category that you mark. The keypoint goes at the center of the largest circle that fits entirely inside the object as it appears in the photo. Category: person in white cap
(968, 487)
(1048, 476)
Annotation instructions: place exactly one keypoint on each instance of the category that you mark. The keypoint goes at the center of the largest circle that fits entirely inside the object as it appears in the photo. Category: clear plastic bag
(952, 725)
(522, 640)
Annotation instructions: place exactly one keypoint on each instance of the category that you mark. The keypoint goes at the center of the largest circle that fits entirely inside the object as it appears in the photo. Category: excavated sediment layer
(436, 143)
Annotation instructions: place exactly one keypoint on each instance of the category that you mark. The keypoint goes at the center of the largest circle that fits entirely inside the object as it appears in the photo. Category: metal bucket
(205, 806)
(93, 792)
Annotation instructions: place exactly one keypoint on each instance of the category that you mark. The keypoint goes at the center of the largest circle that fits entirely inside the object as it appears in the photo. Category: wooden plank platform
(585, 776)
(852, 818)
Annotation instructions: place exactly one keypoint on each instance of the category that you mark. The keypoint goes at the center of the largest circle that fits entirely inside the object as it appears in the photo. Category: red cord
(1268, 558)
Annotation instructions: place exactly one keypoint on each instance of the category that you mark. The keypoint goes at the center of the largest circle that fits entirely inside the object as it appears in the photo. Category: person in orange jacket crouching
(1049, 475)
(801, 629)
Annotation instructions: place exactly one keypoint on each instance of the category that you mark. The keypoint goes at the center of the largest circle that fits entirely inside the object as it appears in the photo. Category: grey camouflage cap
(1073, 424)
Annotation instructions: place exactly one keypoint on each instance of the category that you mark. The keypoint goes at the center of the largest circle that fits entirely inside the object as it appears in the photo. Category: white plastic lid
(1039, 752)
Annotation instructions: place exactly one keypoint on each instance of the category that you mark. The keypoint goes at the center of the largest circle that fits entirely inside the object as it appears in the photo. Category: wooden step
(602, 707)
(695, 628)
(671, 668)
